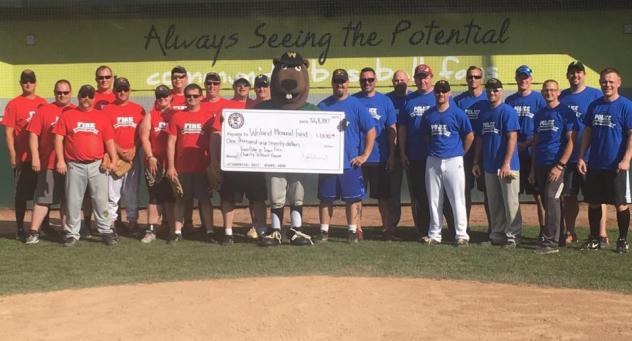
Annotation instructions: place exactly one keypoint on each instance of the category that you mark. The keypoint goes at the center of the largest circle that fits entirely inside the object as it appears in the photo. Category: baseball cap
(241, 81)
(340, 75)
(423, 70)
(442, 86)
(28, 76)
(86, 90)
(262, 80)
(121, 82)
(162, 91)
(178, 69)
(493, 83)
(575, 66)
(524, 70)
(213, 77)
(291, 58)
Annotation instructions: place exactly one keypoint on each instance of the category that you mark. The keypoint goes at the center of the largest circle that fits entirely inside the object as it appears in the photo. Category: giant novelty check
(289, 141)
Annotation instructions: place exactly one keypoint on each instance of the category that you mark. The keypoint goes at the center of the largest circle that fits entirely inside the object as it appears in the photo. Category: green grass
(49, 266)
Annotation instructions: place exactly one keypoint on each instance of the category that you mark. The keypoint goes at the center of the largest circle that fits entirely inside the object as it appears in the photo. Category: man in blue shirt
(608, 133)
(527, 102)
(578, 97)
(555, 127)
(449, 134)
(471, 101)
(377, 168)
(496, 156)
(348, 186)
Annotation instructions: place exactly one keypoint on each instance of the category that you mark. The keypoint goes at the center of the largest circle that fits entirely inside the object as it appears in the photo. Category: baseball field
(374, 290)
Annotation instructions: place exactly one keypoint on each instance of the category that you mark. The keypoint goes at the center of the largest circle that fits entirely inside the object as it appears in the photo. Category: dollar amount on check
(282, 141)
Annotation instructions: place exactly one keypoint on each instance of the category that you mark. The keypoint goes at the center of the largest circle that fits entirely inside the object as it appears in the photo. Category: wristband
(561, 164)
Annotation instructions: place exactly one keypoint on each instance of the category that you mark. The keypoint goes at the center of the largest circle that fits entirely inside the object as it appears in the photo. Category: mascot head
(289, 87)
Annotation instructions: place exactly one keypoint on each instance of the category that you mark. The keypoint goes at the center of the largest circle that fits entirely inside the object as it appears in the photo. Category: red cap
(423, 69)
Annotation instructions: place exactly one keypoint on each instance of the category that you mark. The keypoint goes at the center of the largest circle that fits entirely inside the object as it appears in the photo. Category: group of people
(549, 143)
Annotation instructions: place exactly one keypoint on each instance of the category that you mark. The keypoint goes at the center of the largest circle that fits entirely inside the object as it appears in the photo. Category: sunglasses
(122, 89)
(367, 80)
(492, 90)
(469, 78)
(102, 78)
(338, 81)
(62, 93)
(162, 97)
(442, 91)
(86, 96)
(28, 82)
(178, 76)
(213, 83)
(191, 96)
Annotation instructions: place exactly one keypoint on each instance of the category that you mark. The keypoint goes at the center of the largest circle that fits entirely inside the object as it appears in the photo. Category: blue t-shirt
(445, 131)
(467, 102)
(609, 123)
(579, 103)
(493, 126)
(399, 102)
(358, 123)
(416, 105)
(552, 125)
(526, 107)
(383, 114)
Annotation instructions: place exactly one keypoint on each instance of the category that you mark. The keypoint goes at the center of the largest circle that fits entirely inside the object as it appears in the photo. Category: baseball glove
(152, 180)
(122, 166)
(105, 163)
(214, 176)
(176, 187)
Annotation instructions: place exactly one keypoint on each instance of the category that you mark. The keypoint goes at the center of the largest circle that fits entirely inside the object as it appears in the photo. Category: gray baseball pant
(551, 193)
(504, 207)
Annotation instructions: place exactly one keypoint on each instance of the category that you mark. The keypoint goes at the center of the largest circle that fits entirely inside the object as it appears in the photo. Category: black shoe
(174, 239)
(622, 246)
(20, 234)
(110, 239)
(389, 235)
(352, 237)
(324, 236)
(591, 244)
(228, 240)
(298, 238)
(70, 242)
(271, 239)
(210, 238)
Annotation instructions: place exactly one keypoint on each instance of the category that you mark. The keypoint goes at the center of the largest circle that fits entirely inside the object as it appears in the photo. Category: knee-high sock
(594, 216)
(623, 220)
(296, 216)
(277, 218)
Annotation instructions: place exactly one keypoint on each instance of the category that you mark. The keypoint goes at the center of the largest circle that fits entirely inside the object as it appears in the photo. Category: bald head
(400, 82)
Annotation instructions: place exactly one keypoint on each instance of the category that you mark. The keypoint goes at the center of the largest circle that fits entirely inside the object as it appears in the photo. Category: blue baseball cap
(525, 70)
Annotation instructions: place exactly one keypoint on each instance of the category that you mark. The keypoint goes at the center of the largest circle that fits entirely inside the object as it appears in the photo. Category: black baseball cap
(340, 75)
(162, 91)
(291, 58)
(213, 77)
(262, 80)
(86, 90)
(28, 76)
(493, 83)
(442, 86)
(575, 66)
(178, 69)
(241, 81)
(121, 82)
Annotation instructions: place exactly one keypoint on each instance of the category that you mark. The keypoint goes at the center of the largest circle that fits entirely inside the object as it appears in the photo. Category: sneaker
(174, 238)
(148, 237)
(210, 238)
(546, 250)
(110, 239)
(429, 241)
(510, 244)
(604, 242)
(32, 238)
(298, 238)
(462, 243)
(591, 244)
(324, 236)
(228, 240)
(622, 246)
(252, 234)
(271, 239)
(70, 242)
(352, 237)
(571, 237)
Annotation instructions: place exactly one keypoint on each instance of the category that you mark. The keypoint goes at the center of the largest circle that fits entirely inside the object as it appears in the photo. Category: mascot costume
(289, 89)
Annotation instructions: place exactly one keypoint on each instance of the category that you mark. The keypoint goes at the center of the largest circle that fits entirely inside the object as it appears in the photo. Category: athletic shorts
(348, 186)
(237, 184)
(194, 185)
(50, 187)
(573, 181)
(160, 192)
(607, 187)
(25, 182)
(525, 167)
(378, 179)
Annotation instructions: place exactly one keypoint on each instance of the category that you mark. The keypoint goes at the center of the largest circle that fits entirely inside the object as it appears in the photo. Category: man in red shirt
(50, 184)
(179, 80)
(153, 136)
(241, 90)
(104, 94)
(125, 117)
(82, 134)
(17, 115)
(187, 159)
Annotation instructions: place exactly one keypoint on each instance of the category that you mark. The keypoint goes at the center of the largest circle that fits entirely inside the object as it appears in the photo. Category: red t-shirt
(191, 129)
(158, 133)
(84, 134)
(178, 102)
(17, 115)
(215, 108)
(125, 120)
(43, 125)
(101, 99)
